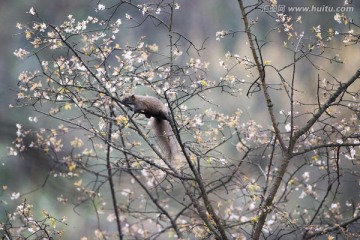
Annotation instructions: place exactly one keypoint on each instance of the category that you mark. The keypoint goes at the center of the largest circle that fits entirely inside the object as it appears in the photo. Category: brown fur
(150, 106)
(154, 108)
(164, 136)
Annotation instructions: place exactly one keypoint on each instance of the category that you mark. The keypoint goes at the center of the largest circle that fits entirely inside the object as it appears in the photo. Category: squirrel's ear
(133, 97)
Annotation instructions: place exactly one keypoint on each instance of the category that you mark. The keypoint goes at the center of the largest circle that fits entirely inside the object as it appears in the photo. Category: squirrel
(158, 113)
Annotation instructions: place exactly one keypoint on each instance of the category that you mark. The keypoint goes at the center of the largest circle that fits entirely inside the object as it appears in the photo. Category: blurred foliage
(200, 20)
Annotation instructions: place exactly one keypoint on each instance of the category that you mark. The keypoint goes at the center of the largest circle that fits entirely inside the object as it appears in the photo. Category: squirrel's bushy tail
(165, 137)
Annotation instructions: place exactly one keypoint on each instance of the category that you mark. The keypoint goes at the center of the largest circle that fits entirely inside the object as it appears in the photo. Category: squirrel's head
(127, 99)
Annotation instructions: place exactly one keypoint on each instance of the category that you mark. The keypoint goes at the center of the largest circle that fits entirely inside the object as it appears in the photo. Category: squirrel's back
(148, 105)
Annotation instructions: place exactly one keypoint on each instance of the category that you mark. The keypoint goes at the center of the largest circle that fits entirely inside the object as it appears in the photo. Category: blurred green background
(27, 173)
(198, 20)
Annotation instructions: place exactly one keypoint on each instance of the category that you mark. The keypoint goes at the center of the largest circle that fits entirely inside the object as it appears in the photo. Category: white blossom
(128, 16)
(32, 11)
(101, 7)
(102, 124)
(306, 176)
(288, 127)
(111, 217)
(15, 195)
(21, 53)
